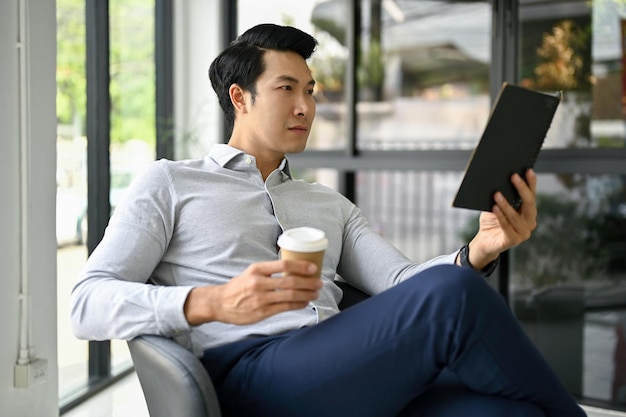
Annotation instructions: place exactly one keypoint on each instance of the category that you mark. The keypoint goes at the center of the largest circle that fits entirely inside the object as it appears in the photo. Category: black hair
(242, 61)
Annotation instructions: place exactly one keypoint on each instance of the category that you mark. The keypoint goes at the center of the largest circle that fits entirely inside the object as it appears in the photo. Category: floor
(126, 399)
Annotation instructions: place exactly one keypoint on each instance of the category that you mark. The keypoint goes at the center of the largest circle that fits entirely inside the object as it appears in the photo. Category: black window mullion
(98, 128)
(352, 41)
(164, 77)
(229, 33)
(503, 68)
(347, 180)
(504, 44)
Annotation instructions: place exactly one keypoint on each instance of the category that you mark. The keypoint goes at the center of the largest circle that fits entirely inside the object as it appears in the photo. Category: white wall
(39, 242)
(197, 28)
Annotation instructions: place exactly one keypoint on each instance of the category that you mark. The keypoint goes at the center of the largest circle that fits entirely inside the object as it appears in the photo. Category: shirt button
(248, 161)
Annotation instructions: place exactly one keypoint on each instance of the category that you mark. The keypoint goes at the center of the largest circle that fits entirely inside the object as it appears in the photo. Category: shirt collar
(223, 154)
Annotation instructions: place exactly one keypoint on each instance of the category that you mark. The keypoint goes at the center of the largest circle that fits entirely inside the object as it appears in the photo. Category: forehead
(281, 63)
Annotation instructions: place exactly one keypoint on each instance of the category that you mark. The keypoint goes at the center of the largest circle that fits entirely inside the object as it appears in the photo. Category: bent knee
(450, 274)
(450, 280)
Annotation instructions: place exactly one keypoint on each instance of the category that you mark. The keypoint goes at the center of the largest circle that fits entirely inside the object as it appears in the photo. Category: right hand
(255, 294)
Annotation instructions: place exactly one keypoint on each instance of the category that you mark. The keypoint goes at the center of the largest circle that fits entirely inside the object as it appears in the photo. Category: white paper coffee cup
(304, 243)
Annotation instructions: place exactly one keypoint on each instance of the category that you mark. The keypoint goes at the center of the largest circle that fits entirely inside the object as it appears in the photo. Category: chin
(296, 148)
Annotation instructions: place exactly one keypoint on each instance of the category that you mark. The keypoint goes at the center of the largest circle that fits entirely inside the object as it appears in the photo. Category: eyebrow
(289, 78)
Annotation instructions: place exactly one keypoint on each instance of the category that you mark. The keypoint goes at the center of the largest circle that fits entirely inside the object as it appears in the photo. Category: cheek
(265, 111)
(278, 113)
(271, 122)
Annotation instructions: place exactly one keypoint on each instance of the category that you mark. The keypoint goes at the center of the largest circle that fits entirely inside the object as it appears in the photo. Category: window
(133, 125)
(411, 91)
(577, 49)
(413, 210)
(567, 282)
(129, 29)
(423, 74)
(71, 189)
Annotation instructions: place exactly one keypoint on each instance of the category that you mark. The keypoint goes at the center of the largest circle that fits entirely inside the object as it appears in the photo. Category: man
(271, 335)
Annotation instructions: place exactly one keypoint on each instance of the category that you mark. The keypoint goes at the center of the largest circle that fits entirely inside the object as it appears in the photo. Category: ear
(238, 98)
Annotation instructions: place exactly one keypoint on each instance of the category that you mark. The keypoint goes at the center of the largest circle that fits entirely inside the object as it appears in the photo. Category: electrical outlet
(32, 373)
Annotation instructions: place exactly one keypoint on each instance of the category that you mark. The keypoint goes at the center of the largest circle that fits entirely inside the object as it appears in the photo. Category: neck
(266, 170)
(266, 161)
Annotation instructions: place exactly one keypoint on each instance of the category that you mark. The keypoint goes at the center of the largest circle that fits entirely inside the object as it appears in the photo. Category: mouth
(299, 129)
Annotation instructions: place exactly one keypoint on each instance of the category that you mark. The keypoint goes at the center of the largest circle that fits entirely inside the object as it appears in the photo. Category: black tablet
(518, 124)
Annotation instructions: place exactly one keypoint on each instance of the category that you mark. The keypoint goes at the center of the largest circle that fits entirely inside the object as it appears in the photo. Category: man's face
(279, 121)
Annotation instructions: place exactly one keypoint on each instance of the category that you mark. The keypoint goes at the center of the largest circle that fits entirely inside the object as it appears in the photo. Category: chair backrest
(351, 295)
(173, 380)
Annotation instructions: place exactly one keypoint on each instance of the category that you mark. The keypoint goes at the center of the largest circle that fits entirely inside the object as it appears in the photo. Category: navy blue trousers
(442, 343)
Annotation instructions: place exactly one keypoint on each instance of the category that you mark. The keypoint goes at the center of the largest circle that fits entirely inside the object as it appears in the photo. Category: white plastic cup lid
(303, 239)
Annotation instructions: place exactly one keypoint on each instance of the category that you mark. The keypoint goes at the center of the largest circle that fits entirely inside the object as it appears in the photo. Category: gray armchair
(174, 381)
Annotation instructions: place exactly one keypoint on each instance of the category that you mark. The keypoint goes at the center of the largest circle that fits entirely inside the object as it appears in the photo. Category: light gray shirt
(201, 222)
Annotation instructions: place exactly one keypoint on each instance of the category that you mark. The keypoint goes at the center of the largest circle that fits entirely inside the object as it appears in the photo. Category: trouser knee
(441, 291)
(450, 281)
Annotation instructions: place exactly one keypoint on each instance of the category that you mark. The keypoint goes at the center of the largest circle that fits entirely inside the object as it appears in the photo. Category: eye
(286, 87)
(310, 92)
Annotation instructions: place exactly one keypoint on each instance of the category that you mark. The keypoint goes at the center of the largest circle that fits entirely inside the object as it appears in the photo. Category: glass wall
(568, 283)
(423, 74)
(413, 211)
(71, 204)
(132, 136)
(577, 48)
(423, 71)
(133, 128)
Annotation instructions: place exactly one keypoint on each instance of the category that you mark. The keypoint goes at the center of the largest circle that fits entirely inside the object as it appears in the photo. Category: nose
(305, 105)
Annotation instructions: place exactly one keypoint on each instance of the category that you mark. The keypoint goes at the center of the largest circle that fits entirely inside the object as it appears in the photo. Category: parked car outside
(71, 209)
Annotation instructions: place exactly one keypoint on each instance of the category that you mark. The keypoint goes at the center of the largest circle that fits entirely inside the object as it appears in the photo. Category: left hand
(505, 227)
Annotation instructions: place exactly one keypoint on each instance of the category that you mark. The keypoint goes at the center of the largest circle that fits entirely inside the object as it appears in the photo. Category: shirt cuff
(169, 310)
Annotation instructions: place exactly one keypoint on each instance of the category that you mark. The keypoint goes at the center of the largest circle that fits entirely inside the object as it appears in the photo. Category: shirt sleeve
(372, 264)
(112, 299)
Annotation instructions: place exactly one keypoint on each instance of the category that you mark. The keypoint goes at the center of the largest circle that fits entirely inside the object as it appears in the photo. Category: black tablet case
(518, 124)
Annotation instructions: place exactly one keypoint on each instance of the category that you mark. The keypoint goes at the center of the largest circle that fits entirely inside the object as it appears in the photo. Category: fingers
(286, 267)
(515, 227)
(528, 192)
(518, 224)
(526, 189)
(531, 180)
(268, 288)
(285, 275)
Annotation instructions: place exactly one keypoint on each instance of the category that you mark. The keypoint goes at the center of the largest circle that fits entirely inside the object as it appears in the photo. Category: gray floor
(120, 400)
(597, 412)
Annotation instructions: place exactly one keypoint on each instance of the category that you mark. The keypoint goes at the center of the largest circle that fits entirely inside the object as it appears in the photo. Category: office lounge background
(28, 236)
(400, 169)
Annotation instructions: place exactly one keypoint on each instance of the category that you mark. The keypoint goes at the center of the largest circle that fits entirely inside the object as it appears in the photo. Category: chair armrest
(173, 380)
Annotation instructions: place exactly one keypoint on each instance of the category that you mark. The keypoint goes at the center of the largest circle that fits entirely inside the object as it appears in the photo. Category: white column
(28, 190)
